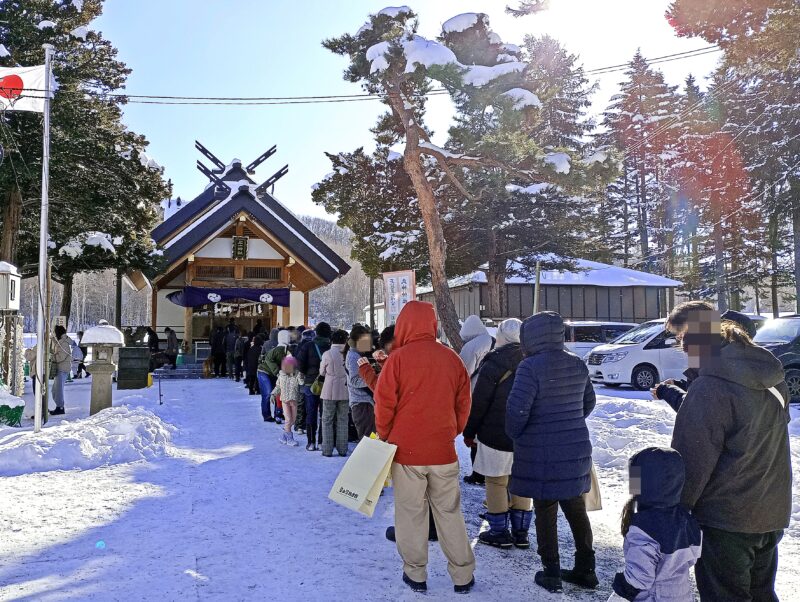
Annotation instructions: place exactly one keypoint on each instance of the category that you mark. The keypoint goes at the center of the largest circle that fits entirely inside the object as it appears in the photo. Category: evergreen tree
(100, 178)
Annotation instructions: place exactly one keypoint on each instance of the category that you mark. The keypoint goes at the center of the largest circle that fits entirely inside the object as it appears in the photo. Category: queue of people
(717, 500)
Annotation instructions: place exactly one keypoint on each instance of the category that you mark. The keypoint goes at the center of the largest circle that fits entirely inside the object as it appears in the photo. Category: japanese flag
(22, 89)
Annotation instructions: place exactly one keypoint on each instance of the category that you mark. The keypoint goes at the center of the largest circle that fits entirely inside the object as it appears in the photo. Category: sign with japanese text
(399, 289)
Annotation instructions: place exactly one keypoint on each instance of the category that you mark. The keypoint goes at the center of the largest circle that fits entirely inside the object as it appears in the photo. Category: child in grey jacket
(662, 540)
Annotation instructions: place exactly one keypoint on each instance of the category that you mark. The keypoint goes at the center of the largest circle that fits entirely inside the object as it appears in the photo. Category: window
(13, 290)
(611, 332)
(588, 334)
(213, 272)
(260, 273)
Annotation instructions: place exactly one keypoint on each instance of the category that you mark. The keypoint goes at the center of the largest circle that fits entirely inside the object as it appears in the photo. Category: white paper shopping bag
(592, 498)
(362, 478)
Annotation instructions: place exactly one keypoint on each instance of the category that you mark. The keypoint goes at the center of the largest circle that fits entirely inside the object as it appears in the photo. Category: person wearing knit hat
(742, 320)
(487, 425)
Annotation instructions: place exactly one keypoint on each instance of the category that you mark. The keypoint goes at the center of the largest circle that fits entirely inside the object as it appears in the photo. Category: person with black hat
(309, 358)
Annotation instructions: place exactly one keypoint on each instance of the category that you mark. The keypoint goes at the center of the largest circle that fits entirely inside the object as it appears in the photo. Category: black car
(782, 337)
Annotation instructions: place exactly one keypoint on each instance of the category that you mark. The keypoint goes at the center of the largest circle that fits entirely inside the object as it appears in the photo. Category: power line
(161, 99)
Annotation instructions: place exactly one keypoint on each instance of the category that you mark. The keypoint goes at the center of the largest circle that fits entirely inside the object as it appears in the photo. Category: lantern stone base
(102, 372)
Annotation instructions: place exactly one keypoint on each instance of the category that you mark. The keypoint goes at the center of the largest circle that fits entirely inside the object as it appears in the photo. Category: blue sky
(272, 48)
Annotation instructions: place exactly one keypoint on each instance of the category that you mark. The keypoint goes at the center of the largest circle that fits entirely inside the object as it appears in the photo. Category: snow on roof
(523, 98)
(461, 22)
(172, 206)
(559, 162)
(103, 335)
(588, 273)
(7, 268)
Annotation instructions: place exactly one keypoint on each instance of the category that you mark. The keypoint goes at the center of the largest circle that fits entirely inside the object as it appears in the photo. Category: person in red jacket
(422, 412)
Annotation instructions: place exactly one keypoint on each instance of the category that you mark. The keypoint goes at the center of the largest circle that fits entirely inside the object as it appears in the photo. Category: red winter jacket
(422, 399)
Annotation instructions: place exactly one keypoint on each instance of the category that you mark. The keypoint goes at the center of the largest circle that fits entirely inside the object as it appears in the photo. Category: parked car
(581, 337)
(641, 357)
(782, 337)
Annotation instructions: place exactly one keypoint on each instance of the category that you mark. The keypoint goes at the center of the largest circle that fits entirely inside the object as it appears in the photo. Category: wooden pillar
(286, 316)
(305, 309)
(154, 304)
(188, 316)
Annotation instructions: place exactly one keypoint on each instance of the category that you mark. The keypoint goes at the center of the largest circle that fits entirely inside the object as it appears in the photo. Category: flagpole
(42, 331)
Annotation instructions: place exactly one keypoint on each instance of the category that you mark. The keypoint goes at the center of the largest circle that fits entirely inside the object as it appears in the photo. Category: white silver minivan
(580, 337)
(641, 357)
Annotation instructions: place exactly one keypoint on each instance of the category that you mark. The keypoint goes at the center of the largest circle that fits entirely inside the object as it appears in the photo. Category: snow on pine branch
(4, 52)
(461, 22)
(558, 161)
(75, 247)
(424, 144)
(419, 50)
(523, 98)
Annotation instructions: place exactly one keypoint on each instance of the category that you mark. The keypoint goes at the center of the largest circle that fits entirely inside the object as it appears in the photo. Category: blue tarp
(195, 296)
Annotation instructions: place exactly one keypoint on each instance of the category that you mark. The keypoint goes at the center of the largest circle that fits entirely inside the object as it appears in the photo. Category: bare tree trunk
(643, 234)
(695, 264)
(12, 213)
(719, 266)
(625, 218)
(496, 278)
(796, 250)
(773, 243)
(118, 300)
(437, 246)
(66, 297)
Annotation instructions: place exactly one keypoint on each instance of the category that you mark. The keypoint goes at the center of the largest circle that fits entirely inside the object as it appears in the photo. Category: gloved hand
(469, 442)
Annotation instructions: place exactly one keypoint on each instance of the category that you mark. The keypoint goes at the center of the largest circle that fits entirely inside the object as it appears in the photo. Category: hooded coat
(272, 342)
(477, 343)
(546, 415)
(663, 541)
(422, 399)
(487, 419)
(272, 358)
(732, 433)
(309, 355)
(334, 387)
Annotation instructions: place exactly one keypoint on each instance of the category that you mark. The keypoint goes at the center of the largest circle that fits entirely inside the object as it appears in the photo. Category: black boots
(583, 574)
(417, 586)
(498, 535)
(475, 479)
(466, 588)
(57, 412)
(520, 524)
(549, 578)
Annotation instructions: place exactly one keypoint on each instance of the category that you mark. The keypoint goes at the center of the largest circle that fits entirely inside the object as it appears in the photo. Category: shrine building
(236, 252)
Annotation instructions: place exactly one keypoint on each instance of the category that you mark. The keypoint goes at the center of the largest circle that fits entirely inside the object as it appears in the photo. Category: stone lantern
(103, 339)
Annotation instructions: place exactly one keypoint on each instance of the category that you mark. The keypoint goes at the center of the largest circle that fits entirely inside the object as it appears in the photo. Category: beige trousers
(497, 497)
(414, 488)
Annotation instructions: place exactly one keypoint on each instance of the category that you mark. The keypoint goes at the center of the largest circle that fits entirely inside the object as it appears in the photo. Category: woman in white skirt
(487, 426)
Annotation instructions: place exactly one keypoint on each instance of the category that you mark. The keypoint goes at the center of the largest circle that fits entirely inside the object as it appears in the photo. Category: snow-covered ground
(196, 500)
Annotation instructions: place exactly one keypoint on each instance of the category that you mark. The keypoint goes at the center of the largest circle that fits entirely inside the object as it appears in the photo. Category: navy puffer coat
(546, 415)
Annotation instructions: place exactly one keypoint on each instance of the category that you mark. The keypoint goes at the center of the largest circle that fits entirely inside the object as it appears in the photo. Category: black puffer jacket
(732, 433)
(546, 415)
(309, 357)
(487, 418)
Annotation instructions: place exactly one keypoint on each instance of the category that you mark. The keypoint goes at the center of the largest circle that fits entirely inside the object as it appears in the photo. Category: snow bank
(523, 98)
(558, 161)
(461, 22)
(7, 399)
(621, 427)
(113, 436)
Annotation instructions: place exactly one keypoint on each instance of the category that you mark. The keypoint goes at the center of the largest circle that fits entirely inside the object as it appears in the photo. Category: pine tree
(100, 178)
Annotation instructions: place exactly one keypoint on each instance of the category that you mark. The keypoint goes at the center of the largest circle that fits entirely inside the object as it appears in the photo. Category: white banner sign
(398, 289)
(22, 89)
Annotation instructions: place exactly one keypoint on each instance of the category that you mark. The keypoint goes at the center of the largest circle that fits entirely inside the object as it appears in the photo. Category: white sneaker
(290, 440)
(283, 439)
